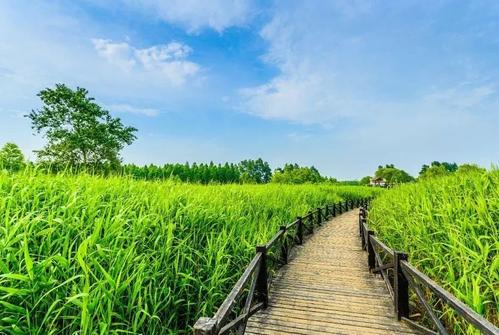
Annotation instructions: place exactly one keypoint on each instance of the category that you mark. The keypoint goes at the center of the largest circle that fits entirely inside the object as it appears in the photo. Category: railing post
(299, 230)
(311, 222)
(361, 215)
(401, 287)
(284, 246)
(319, 216)
(363, 235)
(371, 257)
(326, 212)
(262, 281)
(334, 210)
(204, 326)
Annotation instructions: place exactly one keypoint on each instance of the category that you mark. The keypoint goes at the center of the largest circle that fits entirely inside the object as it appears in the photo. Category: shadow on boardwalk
(326, 288)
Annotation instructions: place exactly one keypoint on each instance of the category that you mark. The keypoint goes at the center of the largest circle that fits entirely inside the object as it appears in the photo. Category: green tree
(294, 174)
(392, 175)
(11, 157)
(255, 171)
(470, 168)
(434, 171)
(79, 132)
(449, 167)
(366, 180)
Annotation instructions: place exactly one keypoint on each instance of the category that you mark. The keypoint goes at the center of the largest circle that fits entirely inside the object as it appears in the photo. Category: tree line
(82, 136)
(255, 171)
(392, 175)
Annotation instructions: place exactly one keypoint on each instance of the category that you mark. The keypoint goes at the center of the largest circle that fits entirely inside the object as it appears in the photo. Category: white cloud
(126, 108)
(168, 59)
(461, 97)
(303, 98)
(120, 54)
(337, 60)
(195, 15)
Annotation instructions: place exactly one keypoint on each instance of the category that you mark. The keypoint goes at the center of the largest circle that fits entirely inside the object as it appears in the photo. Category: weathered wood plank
(326, 288)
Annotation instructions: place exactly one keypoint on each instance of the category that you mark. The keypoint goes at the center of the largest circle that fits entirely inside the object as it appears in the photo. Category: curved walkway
(327, 289)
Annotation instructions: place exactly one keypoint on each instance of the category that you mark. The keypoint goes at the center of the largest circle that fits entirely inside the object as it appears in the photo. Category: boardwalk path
(327, 289)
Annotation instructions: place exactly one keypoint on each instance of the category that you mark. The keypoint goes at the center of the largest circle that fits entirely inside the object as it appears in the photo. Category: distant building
(377, 181)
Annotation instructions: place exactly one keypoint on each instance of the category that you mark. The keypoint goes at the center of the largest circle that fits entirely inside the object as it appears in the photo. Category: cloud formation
(168, 59)
(126, 108)
(195, 15)
(339, 60)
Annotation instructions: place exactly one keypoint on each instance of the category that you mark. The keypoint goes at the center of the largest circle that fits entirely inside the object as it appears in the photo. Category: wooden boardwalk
(326, 288)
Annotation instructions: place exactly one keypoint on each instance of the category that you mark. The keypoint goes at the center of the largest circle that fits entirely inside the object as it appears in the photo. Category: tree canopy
(470, 168)
(392, 175)
(448, 167)
(255, 171)
(365, 180)
(294, 174)
(78, 131)
(11, 157)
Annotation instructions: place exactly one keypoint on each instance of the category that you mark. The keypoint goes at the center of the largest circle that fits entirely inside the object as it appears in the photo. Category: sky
(341, 85)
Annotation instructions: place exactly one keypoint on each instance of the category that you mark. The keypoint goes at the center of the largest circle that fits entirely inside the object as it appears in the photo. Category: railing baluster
(284, 246)
(361, 215)
(401, 287)
(299, 230)
(311, 222)
(371, 257)
(262, 280)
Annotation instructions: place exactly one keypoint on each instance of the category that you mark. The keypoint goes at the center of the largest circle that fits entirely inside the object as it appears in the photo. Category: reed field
(450, 228)
(93, 255)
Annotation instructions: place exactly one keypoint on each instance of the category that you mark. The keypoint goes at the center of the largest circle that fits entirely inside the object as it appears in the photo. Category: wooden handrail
(406, 275)
(229, 302)
(462, 309)
(381, 245)
(257, 269)
(292, 224)
(273, 240)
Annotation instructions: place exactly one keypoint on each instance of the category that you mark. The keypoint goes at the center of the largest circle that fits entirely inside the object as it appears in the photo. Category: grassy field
(450, 229)
(90, 255)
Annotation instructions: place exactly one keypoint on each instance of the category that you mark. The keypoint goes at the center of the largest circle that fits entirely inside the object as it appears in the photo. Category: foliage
(79, 131)
(255, 171)
(449, 167)
(470, 168)
(365, 180)
(434, 171)
(195, 173)
(348, 182)
(93, 255)
(449, 228)
(11, 157)
(294, 174)
(247, 171)
(392, 175)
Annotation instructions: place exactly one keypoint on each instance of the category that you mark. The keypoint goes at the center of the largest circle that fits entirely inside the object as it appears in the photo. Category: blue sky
(341, 85)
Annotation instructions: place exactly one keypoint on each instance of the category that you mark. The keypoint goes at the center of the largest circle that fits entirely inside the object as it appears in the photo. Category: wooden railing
(401, 277)
(251, 292)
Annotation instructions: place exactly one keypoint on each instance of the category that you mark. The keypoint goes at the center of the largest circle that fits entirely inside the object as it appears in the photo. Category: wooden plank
(326, 288)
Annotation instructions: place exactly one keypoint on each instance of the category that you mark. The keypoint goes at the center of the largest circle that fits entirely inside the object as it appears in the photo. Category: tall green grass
(450, 229)
(90, 255)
